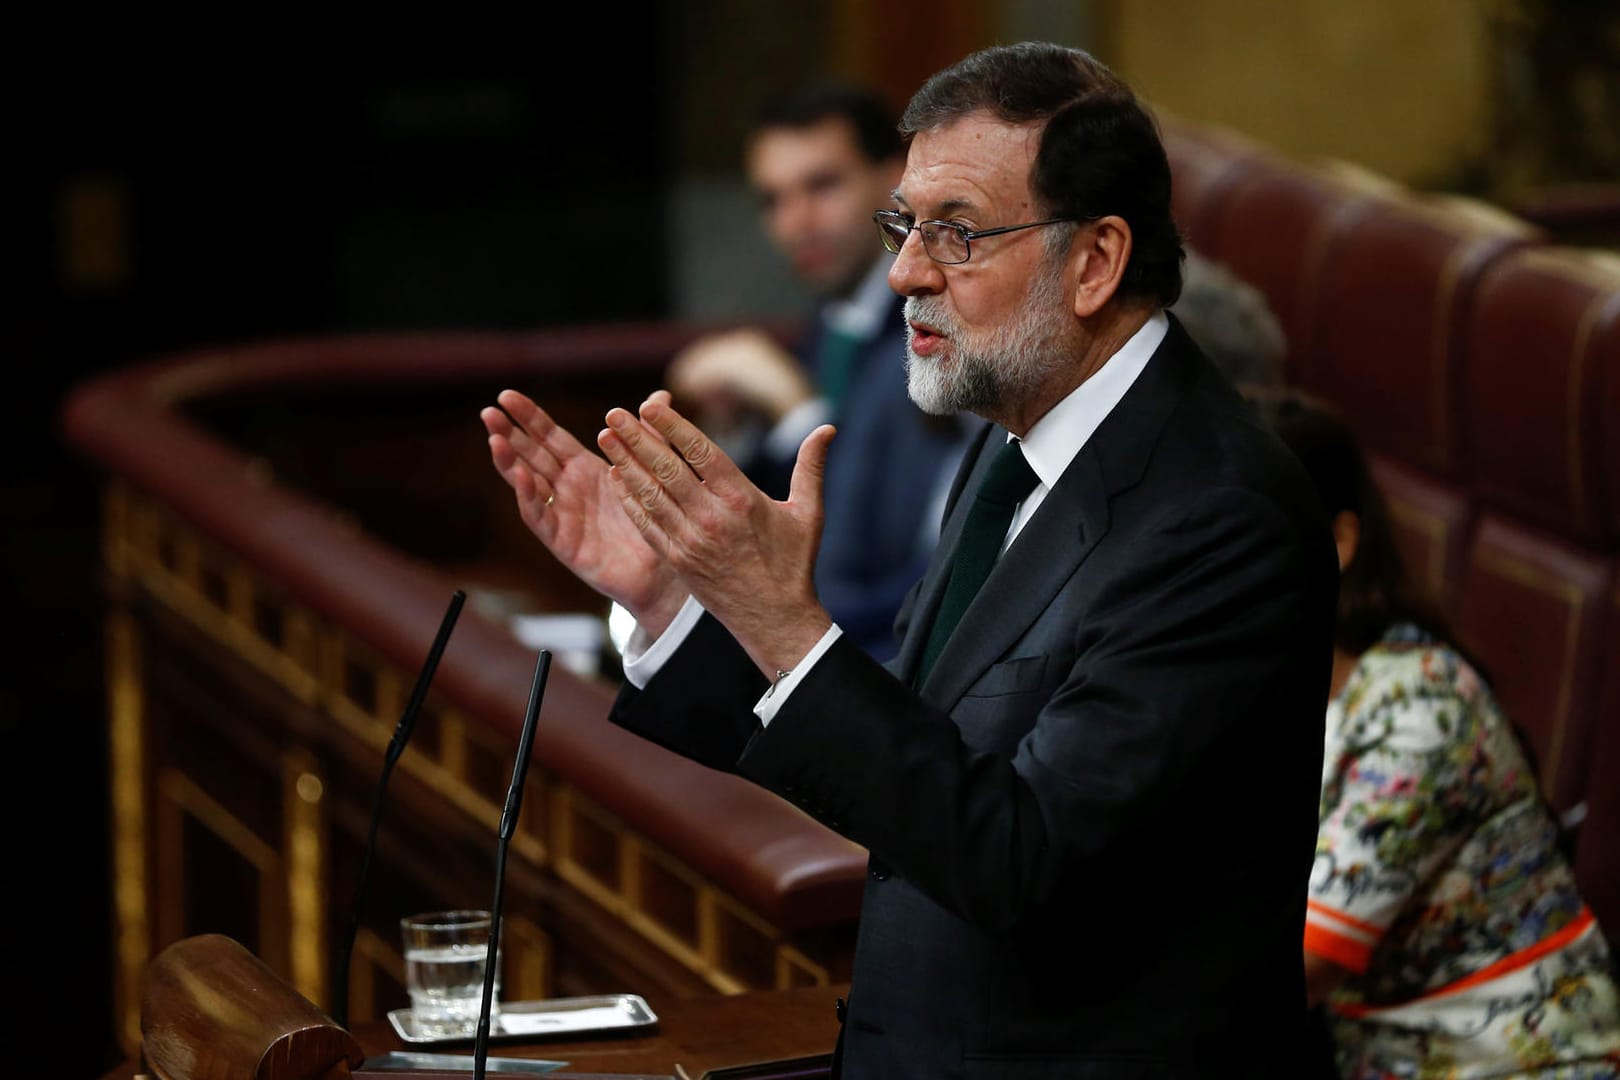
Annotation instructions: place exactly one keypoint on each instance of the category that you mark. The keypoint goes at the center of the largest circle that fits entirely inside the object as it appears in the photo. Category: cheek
(979, 305)
(845, 214)
(776, 225)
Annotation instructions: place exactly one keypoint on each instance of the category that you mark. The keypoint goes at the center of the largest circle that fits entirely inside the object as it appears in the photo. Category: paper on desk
(576, 640)
(403, 1060)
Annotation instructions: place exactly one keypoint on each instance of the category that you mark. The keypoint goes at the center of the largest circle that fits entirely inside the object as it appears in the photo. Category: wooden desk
(694, 1033)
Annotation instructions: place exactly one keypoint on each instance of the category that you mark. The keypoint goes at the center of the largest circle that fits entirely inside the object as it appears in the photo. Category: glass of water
(444, 971)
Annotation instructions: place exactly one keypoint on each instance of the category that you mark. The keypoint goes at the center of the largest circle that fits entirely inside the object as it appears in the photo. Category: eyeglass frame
(968, 235)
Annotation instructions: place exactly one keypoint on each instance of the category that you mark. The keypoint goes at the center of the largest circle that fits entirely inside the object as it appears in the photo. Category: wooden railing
(284, 523)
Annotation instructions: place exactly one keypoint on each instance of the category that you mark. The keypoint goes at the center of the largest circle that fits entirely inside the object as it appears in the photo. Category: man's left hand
(748, 559)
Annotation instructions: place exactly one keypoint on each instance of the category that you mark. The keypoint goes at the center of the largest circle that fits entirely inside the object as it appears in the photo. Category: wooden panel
(262, 642)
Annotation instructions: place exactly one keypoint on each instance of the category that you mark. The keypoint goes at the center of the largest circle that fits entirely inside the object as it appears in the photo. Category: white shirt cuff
(644, 655)
(766, 707)
(784, 439)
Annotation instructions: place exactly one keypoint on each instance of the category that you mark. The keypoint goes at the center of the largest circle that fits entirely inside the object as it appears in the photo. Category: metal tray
(610, 1013)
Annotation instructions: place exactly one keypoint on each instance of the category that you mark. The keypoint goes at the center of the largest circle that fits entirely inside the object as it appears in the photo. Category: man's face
(817, 192)
(987, 334)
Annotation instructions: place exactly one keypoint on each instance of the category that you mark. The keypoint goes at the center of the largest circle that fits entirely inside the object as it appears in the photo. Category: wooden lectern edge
(210, 1008)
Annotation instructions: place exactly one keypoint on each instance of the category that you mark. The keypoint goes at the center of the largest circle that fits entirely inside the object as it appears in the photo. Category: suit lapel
(1054, 543)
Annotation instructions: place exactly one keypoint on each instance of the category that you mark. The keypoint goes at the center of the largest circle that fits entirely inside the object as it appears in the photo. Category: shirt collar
(861, 313)
(1058, 436)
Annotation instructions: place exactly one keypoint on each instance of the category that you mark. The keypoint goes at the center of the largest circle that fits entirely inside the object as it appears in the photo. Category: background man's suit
(883, 472)
(1091, 833)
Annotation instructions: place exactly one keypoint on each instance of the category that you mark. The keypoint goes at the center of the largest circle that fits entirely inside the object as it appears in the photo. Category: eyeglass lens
(944, 243)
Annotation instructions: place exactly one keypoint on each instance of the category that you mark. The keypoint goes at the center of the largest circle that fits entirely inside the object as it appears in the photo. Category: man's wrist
(655, 616)
(780, 648)
(646, 654)
(782, 688)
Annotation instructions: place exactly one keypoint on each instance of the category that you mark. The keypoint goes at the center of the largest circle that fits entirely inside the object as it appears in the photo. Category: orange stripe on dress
(1344, 951)
(1507, 965)
(1367, 927)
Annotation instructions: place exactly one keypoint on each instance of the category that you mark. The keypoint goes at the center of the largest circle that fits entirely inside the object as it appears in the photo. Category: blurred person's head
(1232, 322)
(820, 159)
(1042, 138)
(1375, 591)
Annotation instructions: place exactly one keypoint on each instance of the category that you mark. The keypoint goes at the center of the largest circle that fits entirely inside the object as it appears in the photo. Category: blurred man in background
(819, 159)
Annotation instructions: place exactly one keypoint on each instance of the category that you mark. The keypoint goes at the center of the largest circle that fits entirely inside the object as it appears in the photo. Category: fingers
(532, 432)
(530, 452)
(707, 461)
(635, 506)
(661, 493)
(810, 470)
(643, 463)
(534, 492)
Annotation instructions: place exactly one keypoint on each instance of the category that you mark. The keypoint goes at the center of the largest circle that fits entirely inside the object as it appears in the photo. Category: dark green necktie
(1007, 482)
(835, 364)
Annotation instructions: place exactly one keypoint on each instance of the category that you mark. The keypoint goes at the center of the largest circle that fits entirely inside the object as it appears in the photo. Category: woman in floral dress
(1445, 935)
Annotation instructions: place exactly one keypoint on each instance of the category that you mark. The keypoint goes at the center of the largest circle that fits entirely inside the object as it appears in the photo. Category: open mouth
(925, 339)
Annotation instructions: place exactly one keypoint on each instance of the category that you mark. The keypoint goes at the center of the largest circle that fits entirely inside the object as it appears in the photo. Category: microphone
(396, 747)
(509, 819)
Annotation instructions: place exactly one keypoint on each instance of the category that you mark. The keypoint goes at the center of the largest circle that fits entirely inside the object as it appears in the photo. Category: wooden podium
(211, 1010)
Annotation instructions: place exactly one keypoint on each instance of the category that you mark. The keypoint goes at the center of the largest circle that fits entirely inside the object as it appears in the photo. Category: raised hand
(747, 558)
(567, 500)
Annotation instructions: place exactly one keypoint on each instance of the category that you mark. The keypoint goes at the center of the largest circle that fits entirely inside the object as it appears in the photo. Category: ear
(1101, 250)
(1346, 537)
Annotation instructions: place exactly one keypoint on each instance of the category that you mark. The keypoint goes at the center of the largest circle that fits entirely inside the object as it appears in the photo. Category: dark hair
(1375, 591)
(1100, 151)
(836, 99)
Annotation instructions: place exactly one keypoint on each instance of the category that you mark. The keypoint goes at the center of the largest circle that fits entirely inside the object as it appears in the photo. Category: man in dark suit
(1089, 785)
(819, 158)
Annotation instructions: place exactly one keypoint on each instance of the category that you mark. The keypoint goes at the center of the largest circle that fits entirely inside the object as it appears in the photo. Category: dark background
(174, 196)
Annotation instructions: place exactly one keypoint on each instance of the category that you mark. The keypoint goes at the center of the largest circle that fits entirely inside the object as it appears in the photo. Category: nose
(791, 218)
(913, 272)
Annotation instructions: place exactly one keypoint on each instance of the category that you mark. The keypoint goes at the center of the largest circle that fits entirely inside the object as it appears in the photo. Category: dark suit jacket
(883, 471)
(1091, 831)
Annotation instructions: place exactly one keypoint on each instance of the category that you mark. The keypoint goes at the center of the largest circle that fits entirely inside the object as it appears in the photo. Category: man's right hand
(566, 499)
(745, 367)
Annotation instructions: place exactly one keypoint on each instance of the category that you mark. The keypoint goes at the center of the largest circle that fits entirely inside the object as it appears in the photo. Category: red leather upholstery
(1272, 228)
(1604, 354)
(1204, 163)
(1533, 607)
(1543, 332)
(1385, 339)
(1431, 522)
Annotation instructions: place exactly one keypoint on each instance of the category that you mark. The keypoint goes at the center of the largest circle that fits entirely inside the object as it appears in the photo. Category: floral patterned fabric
(1439, 882)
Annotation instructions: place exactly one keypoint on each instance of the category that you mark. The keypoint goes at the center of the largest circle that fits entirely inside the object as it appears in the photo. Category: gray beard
(984, 377)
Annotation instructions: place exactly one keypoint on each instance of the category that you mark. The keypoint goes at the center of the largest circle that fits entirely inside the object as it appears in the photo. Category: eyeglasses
(945, 241)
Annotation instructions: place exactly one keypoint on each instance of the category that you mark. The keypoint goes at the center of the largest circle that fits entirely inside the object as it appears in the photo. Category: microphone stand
(396, 747)
(509, 819)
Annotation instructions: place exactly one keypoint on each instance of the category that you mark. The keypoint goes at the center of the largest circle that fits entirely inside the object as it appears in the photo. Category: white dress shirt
(1049, 447)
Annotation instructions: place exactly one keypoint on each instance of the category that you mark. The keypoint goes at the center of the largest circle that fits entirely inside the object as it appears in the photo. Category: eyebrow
(946, 208)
